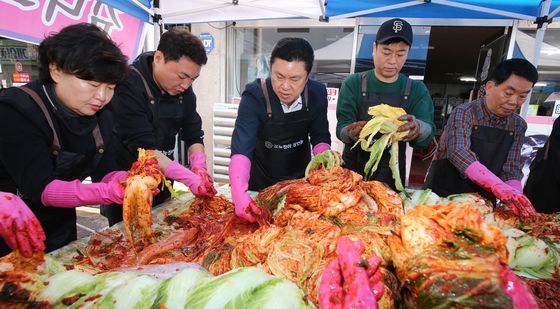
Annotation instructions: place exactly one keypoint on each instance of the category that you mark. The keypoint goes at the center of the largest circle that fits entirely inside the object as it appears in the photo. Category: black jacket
(27, 163)
(138, 123)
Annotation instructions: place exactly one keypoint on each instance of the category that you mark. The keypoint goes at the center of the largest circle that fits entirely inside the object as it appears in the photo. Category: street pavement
(89, 220)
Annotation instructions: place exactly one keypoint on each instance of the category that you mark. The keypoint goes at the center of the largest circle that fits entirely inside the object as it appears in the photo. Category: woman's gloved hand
(72, 194)
(19, 227)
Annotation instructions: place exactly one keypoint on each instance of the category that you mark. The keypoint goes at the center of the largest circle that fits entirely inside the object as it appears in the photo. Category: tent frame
(545, 17)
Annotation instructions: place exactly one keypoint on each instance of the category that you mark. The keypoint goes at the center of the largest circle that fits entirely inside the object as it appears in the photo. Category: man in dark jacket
(282, 120)
(156, 103)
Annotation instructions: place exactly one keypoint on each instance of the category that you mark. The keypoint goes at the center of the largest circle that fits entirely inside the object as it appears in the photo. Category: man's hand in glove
(355, 128)
(411, 126)
(206, 187)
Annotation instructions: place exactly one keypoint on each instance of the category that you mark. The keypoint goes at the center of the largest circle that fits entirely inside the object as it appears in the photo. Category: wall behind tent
(333, 55)
(252, 47)
(547, 89)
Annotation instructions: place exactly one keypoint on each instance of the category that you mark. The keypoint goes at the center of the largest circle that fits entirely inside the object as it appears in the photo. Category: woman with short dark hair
(55, 132)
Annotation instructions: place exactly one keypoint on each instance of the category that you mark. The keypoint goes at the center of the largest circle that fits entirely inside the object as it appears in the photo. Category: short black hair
(84, 51)
(177, 43)
(517, 66)
(294, 49)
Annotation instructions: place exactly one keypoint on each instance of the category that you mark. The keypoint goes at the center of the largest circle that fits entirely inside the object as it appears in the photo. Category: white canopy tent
(198, 11)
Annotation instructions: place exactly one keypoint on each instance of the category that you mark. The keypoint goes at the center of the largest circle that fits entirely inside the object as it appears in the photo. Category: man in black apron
(384, 85)
(480, 148)
(156, 103)
(54, 132)
(278, 120)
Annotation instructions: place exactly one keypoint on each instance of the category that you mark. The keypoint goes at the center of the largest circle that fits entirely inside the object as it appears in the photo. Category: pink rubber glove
(517, 290)
(516, 184)
(515, 200)
(375, 276)
(198, 159)
(319, 148)
(356, 280)
(346, 282)
(72, 194)
(198, 181)
(331, 294)
(19, 227)
(239, 173)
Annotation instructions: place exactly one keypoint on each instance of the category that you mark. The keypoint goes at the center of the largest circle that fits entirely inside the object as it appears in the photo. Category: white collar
(296, 106)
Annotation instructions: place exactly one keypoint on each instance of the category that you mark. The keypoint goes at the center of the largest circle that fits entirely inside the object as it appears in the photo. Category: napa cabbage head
(271, 294)
(530, 256)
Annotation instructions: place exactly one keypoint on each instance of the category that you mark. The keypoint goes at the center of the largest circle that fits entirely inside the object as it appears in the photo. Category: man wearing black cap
(384, 85)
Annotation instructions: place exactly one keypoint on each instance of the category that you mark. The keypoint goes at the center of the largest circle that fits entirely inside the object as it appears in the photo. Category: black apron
(282, 149)
(167, 119)
(491, 146)
(59, 224)
(543, 182)
(356, 159)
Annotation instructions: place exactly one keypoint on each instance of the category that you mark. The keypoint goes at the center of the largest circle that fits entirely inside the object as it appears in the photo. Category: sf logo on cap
(397, 25)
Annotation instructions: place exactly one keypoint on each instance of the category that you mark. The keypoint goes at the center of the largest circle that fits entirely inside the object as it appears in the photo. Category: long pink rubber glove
(516, 184)
(198, 159)
(515, 200)
(331, 294)
(198, 180)
(239, 173)
(72, 194)
(517, 290)
(346, 283)
(356, 280)
(319, 148)
(19, 227)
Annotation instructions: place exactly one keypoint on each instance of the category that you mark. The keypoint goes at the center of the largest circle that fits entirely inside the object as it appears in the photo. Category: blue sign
(208, 41)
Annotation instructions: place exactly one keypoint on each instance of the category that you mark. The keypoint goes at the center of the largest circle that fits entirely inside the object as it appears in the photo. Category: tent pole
(542, 22)
(482, 9)
(157, 23)
(555, 12)
(377, 10)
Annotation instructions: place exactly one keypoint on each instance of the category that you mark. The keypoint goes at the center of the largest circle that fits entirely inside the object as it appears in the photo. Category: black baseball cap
(395, 28)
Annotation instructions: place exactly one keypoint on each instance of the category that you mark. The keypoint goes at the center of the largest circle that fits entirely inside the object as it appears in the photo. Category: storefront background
(16, 55)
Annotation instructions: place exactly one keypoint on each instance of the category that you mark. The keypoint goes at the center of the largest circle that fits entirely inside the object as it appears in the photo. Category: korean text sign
(32, 20)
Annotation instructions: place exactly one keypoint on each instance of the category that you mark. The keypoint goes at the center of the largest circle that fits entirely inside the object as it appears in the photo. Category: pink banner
(32, 20)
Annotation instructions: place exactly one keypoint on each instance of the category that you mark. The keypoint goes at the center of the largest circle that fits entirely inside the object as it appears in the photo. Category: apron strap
(364, 84)
(56, 143)
(407, 89)
(148, 91)
(265, 93)
(99, 144)
(305, 97)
